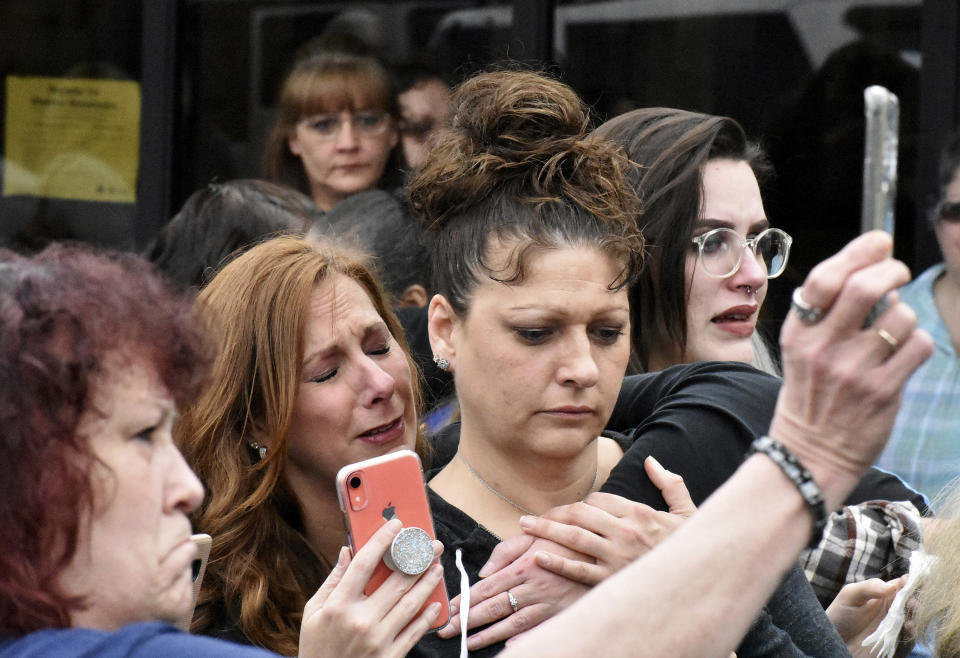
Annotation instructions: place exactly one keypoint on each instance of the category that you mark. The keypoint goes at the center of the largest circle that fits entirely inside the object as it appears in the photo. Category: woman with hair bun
(534, 247)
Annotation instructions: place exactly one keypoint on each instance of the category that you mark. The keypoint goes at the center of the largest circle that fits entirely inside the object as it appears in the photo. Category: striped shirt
(924, 448)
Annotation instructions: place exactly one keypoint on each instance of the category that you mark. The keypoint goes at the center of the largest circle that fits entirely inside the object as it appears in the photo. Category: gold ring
(889, 339)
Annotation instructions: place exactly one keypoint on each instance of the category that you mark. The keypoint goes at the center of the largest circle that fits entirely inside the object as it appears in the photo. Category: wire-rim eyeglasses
(366, 123)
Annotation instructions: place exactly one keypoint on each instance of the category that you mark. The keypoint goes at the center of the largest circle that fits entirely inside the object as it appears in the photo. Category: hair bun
(518, 116)
(512, 133)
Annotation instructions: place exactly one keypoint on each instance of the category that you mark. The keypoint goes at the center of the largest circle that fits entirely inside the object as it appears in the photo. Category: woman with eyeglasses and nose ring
(710, 245)
(722, 254)
(711, 253)
(923, 446)
(336, 128)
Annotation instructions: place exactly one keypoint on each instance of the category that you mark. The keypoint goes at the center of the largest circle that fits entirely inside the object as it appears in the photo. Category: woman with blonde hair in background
(336, 129)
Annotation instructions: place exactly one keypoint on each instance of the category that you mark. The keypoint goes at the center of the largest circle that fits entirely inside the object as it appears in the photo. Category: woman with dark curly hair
(534, 247)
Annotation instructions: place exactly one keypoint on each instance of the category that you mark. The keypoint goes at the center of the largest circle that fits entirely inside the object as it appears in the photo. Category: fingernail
(433, 610)
(394, 526)
(542, 558)
(527, 521)
(449, 630)
(342, 558)
(436, 570)
(655, 462)
(485, 571)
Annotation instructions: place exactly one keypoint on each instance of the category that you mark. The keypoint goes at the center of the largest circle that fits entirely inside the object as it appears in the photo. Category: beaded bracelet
(800, 476)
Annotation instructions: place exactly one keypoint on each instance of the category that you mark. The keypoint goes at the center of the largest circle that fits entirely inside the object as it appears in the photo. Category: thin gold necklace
(596, 478)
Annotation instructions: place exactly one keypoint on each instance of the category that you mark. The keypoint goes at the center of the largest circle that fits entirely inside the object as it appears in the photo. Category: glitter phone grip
(411, 552)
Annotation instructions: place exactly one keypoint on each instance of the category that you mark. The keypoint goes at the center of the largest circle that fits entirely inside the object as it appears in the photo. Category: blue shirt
(924, 447)
(133, 641)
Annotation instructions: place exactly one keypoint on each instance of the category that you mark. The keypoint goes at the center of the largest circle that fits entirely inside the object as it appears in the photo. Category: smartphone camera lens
(355, 482)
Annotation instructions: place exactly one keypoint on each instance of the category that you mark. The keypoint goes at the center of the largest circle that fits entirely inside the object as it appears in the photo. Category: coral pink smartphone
(391, 486)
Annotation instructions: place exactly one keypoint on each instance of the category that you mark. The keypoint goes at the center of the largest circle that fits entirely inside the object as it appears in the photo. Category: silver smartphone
(882, 109)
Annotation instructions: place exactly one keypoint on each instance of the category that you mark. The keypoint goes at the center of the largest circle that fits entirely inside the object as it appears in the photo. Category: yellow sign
(72, 138)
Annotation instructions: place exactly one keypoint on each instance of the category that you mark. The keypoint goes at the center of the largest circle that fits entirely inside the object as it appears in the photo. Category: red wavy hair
(65, 315)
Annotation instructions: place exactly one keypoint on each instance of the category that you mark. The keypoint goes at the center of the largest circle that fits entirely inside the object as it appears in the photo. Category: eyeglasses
(366, 124)
(949, 211)
(418, 130)
(721, 251)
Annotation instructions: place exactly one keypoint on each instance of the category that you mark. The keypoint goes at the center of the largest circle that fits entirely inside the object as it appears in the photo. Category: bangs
(337, 91)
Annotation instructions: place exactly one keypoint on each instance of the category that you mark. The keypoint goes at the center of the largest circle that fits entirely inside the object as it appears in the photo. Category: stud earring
(259, 449)
(442, 363)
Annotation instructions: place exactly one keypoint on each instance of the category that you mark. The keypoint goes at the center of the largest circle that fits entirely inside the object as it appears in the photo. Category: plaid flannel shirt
(870, 540)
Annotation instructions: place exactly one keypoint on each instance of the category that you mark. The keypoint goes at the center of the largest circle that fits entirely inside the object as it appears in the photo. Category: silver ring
(513, 601)
(889, 338)
(808, 314)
